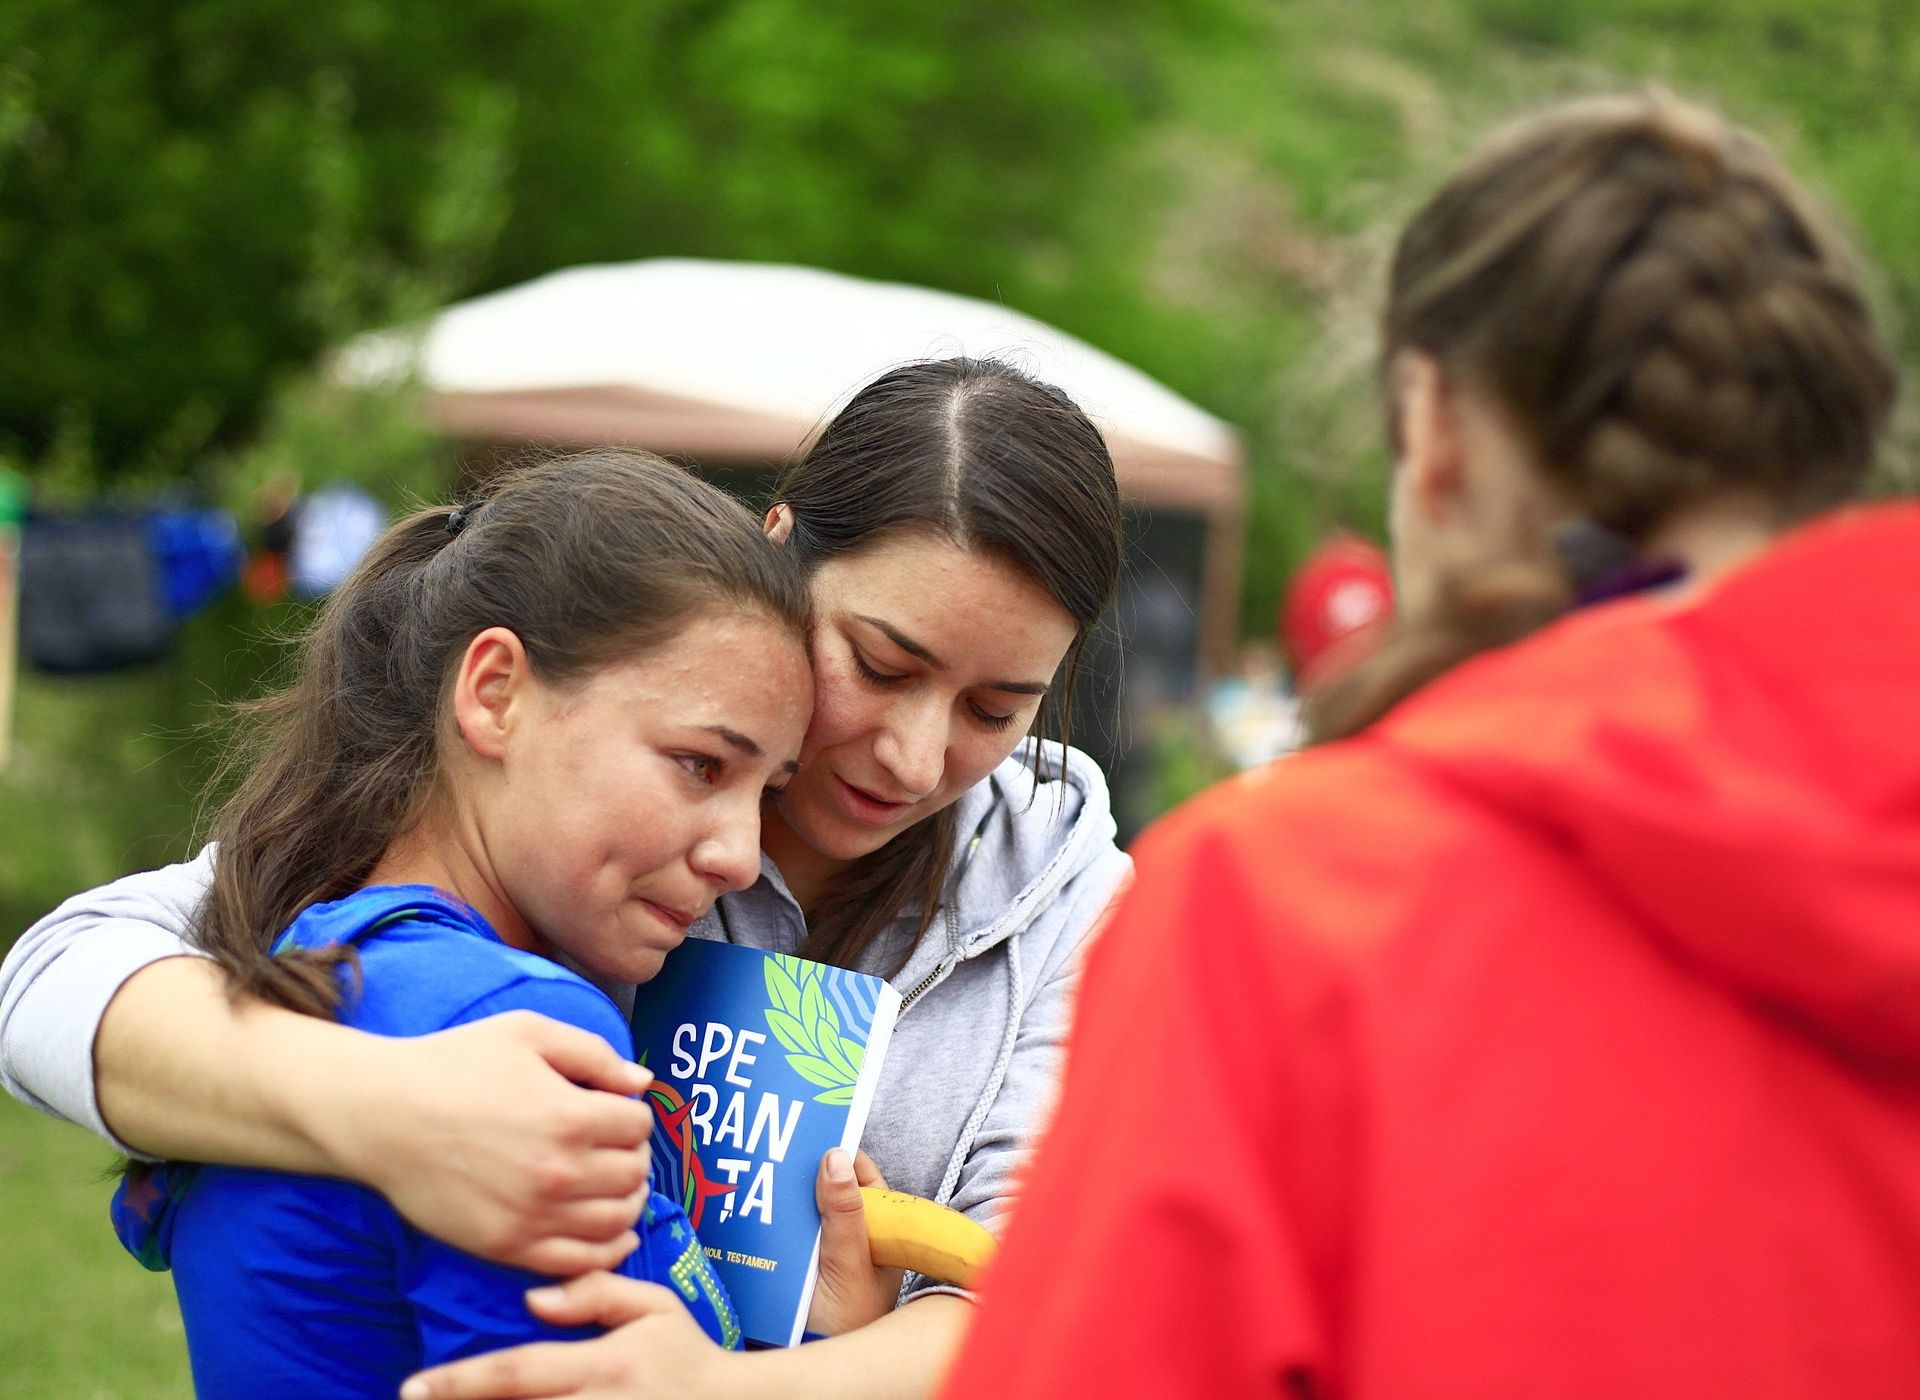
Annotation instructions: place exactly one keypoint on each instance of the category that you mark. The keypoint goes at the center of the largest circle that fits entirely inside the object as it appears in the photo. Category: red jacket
(1559, 1037)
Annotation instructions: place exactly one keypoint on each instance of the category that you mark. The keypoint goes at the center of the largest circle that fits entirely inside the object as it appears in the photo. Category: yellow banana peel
(911, 1232)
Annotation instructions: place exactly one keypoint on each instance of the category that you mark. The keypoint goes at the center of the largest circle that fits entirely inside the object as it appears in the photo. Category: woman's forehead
(963, 606)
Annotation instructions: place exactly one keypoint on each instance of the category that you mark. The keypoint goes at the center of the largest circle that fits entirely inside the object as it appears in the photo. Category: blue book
(761, 1064)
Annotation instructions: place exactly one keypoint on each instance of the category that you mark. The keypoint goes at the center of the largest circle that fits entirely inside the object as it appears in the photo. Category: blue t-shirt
(302, 1285)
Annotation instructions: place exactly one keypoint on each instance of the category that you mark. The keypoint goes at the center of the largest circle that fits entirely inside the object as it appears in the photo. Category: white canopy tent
(736, 364)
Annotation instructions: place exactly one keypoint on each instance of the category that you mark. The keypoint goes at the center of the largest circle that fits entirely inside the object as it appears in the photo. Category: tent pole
(1220, 591)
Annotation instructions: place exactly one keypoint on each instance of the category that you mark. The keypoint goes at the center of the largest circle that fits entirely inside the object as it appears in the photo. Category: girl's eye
(988, 718)
(868, 672)
(702, 767)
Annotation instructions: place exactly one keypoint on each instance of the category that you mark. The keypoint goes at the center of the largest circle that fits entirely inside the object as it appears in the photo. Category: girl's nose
(730, 852)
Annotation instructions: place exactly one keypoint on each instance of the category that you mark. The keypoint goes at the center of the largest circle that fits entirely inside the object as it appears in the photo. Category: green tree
(196, 195)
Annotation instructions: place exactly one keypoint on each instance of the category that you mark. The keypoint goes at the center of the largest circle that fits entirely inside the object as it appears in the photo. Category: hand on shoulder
(515, 1138)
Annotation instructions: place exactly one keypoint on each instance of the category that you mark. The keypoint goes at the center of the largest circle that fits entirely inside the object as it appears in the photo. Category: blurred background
(201, 201)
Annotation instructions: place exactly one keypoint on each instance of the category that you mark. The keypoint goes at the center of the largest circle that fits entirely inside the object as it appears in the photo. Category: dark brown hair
(588, 559)
(981, 454)
(1660, 311)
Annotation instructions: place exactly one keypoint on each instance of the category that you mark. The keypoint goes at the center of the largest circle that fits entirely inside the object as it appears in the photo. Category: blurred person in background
(1252, 715)
(1556, 1031)
(1337, 607)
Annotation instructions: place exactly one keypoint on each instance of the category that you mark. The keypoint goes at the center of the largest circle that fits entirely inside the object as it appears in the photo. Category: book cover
(761, 1064)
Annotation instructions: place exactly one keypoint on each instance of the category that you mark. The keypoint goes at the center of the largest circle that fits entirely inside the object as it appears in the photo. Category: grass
(79, 1319)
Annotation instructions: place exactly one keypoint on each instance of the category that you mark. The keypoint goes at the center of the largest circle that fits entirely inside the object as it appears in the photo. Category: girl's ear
(489, 691)
(779, 522)
(1427, 433)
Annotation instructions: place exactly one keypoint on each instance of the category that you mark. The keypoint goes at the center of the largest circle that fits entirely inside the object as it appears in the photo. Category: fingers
(568, 1172)
(609, 1173)
(520, 1373)
(562, 1256)
(837, 1189)
(581, 1056)
(868, 1173)
(843, 1217)
(607, 1120)
(599, 1220)
(852, 1290)
(603, 1298)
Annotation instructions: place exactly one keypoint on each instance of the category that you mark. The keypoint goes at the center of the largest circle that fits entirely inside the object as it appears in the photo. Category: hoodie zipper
(925, 982)
(947, 964)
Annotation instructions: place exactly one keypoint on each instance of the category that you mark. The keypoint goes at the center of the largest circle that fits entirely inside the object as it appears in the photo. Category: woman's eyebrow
(903, 641)
(913, 648)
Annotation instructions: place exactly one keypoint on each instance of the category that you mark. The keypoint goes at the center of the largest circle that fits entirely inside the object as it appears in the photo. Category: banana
(911, 1232)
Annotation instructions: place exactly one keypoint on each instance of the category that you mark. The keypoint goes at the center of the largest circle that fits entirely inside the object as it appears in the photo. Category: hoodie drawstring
(1015, 989)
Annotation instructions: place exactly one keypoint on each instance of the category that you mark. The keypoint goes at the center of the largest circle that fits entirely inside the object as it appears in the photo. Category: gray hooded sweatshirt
(974, 1060)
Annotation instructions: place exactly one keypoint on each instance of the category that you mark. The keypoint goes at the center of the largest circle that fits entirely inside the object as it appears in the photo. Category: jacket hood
(1023, 837)
(1741, 771)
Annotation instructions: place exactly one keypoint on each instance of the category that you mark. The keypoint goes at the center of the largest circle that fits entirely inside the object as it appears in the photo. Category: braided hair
(1667, 320)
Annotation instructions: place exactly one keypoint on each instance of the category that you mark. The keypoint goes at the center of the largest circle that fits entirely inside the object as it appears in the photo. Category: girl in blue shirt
(528, 740)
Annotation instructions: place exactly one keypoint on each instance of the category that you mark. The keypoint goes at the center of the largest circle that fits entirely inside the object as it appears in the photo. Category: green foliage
(195, 197)
(78, 1318)
(107, 771)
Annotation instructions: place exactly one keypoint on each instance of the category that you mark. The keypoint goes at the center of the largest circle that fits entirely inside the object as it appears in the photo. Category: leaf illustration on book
(815, 1070)
(788, 1031)
(781, 985)
(813, 1005)
(832, 1046)
(805, 1023)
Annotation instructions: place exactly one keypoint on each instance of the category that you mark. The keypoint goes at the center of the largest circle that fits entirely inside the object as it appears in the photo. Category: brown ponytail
(587, 559)
(1648, 295)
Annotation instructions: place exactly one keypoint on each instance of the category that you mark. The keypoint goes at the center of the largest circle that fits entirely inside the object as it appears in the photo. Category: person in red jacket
(1337, 606)
(1556, 1032)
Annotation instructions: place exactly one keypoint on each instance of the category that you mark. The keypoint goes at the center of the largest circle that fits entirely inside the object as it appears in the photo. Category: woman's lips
(863, 807)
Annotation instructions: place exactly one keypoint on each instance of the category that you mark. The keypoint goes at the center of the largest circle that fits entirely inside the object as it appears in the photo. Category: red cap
(1337, 606)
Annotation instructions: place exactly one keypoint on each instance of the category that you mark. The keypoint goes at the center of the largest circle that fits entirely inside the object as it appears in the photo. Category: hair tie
(1603, 564)
(459, 517)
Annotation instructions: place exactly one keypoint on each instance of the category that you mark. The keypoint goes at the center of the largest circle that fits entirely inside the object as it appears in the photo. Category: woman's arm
(655, 1350)
(64, 972)
(463, 1305)
(902, 1356)
(104, 1022)
(477, 1135)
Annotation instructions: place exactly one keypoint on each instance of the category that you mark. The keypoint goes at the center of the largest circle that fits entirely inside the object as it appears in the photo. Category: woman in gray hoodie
(961, 524)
